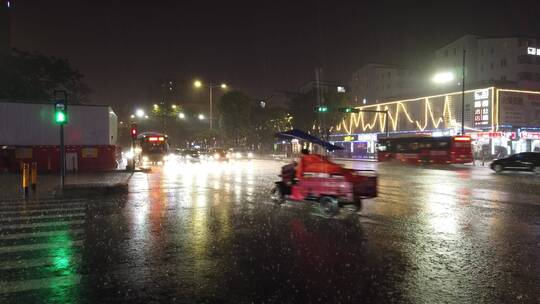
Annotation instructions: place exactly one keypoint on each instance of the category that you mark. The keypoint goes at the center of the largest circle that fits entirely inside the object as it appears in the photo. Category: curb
(95, 189)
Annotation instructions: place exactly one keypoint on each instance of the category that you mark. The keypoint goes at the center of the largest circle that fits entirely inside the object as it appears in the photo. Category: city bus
(151, 148)
(418, 149)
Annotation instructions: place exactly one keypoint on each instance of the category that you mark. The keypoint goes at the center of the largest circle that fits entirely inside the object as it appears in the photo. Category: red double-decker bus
(436, 150)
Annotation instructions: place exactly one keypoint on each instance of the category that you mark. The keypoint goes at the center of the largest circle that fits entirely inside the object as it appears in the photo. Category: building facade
(505, 61)
(500, 121)
(375, 82)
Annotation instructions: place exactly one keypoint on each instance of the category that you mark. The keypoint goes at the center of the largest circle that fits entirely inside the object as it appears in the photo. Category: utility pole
(463, 95)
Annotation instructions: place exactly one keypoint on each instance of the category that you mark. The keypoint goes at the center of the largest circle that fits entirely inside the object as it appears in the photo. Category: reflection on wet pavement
(208, 232)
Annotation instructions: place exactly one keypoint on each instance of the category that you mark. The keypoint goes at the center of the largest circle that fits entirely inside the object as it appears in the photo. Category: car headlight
(238, 155)
(145, 158)
(216, 156)
(129, 154)
(250, 155)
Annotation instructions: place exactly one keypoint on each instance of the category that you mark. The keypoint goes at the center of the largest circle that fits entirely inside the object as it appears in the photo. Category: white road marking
(37, 234)
(41, 246)
(42, 210)
(27, 263)
(45, 224)
(45, 283)
(41, 217)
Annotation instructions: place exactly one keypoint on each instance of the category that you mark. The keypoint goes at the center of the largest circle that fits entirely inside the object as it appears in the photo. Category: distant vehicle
(437, 150)
(526, 161)
(191, 155)
(241, 154)
(152, 147)
(220, 155)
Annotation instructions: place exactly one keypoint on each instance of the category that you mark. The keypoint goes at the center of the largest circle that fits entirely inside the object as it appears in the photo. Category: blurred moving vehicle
(240, 154)
(319, 181)
(218, 154)
(191, 155)
(151, 148)
(426, 149)
(526, 161)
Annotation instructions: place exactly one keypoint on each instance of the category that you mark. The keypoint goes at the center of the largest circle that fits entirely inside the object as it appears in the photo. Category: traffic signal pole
(62, 157)
(61, 118)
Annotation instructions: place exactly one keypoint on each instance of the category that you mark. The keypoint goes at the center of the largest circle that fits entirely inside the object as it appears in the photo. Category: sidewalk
(10, 184)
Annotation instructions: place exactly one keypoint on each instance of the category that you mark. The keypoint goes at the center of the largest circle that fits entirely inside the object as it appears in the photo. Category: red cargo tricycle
(317, 180)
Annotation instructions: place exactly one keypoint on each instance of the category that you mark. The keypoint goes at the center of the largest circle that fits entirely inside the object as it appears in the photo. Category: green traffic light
(60, 117)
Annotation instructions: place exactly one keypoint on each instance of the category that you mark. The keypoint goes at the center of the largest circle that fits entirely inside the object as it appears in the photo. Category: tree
(305, 118)
(235, 112)
(25, 75)
(266, 122)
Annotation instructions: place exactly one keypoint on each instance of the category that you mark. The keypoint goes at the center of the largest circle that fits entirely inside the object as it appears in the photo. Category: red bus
(437, 150)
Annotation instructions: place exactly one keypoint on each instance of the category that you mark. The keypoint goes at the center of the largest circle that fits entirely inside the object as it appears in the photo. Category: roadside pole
(61, 118)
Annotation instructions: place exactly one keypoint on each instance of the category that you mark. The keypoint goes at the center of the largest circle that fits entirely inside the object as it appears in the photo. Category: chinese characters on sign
(533, 51)
(481, 107)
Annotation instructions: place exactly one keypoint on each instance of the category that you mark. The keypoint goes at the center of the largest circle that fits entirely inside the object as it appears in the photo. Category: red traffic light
(134, 131)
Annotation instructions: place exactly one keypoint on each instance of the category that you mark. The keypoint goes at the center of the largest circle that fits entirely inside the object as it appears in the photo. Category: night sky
(126, 47)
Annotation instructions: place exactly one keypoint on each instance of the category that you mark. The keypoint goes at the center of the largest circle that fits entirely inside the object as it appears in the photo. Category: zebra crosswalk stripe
(41, 246)
(27, 235)
(51, 210)
(42, 224)
(27, 285)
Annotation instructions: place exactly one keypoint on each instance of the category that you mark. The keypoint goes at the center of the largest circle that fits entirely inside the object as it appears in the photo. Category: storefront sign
(519, 109)
(529, 135)
(348, 138)
(533, 51)
(508, 135)
(481, 107)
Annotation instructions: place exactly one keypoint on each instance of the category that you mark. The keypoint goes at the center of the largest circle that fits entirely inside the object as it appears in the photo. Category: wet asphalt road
(209, 233)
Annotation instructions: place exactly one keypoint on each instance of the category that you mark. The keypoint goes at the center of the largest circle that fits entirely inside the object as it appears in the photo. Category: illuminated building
(500, 61)
(496, 118)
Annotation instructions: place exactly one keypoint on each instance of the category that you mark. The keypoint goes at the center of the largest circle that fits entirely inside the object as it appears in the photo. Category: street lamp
(446, 77)
(156, 106)
(173, 107)
(443, 77)
(210, 86)
(181, 115)
(139, 113)
(132, 116)
(201, 116)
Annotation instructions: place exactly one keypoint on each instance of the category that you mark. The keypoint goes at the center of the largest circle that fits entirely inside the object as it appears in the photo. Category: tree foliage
(305, 118)
(25, 75)
(235, 113)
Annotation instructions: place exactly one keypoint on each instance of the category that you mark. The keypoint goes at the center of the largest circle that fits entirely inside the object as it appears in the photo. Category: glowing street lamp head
(197, 83)
(201, 116)
(139, 113)
(181, 115)
(173, 107)
(223, 86)
(443, 77)
(156, 106)
(132, 116)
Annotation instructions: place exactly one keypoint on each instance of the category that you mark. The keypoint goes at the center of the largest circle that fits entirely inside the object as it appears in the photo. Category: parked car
(526, 161)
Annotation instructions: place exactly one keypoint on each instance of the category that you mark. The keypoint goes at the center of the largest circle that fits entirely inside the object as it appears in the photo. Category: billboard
(519, 109)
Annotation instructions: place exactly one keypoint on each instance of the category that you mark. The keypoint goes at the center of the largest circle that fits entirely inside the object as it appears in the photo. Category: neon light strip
(357, 119)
